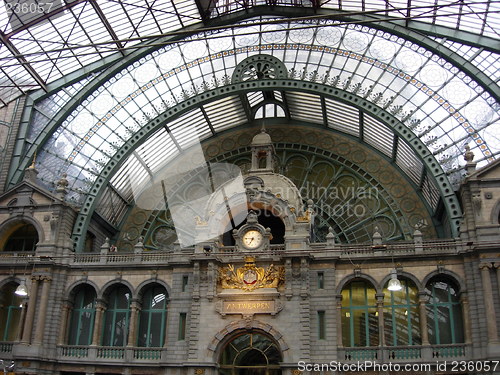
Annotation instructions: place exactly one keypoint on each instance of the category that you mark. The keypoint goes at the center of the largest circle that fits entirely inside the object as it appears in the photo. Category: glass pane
(440, 292)
(120, 298)
(89, 297)
(345, 297)
(73, 329)
(121, 328)
(85, 333)
(143, 338)
(458, 323)
(10, 312)
(401, 326)
(358, 294)
(431, 324)
(156, 331)
(388, 326)
(346, 331)
(108, 328)
(273, 355)
(158, 300)
(415, 326)
(373, 327)
(228, 355)
(251, 357)
(443, 316)
(359, 321)
(241, 342)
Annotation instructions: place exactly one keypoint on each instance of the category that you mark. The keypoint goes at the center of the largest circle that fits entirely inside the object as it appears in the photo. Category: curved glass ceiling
(444, 106)
(41, 42)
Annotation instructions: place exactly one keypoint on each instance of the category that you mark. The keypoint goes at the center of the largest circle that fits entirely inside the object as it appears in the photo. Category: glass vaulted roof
(433, 66)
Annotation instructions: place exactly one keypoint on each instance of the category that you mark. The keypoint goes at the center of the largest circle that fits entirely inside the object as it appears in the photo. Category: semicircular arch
(432, 166)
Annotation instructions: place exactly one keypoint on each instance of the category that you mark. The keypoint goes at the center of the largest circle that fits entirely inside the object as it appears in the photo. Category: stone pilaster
(30, 314)
(99, 313)
(422, 310)
(305, 311)
(491, 320)
(67, 308)
(497, 269)
(135, 309)
(464, 302)
(42, 310)
(195, 313)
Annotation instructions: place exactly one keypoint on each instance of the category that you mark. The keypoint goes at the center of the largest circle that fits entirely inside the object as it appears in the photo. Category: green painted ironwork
(444, 322)
(401, 311)
(116, 319)
(433, 167)
(82, 317)
(24, 157)
(153, 315)
(359, 307)
(10, 312)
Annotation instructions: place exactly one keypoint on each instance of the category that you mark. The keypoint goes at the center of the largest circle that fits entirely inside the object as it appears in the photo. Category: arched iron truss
(432, 166)
(315, 159)
(109, 66)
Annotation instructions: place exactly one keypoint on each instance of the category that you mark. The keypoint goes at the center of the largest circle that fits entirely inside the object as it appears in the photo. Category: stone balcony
(413, 353)
(324, 251)
(111, 354)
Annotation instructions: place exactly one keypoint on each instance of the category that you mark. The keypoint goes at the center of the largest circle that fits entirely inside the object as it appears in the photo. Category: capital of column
(423, 297)
(136, 304)
(463, 297)
(41, 278)
(379, 297)
(496, 265)
(485, 265)
(101, 304)
(67, 304)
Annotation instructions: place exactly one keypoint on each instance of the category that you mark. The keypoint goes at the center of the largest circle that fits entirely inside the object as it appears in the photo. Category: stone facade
(305, 321)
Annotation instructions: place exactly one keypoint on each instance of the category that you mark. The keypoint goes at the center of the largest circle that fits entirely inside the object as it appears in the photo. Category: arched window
(444, 312)
(10, 312)
(153, 317)
(250, 353)
(82, 317)
(24, 238)
(401, 315)
(359, 315)
(116, 317)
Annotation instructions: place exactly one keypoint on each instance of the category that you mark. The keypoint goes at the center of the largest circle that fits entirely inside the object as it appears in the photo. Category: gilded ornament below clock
(250, 277)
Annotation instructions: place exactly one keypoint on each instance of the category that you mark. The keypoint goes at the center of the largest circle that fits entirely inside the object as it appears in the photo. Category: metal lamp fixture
(22, 289)
(394, 284)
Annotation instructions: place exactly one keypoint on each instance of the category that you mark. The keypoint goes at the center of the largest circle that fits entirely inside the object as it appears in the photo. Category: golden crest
(250, 277)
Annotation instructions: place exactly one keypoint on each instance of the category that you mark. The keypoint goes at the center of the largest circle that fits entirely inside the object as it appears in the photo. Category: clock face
(252, 239)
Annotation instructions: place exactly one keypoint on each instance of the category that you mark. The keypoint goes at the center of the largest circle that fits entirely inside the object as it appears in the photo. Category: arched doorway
(250, 353)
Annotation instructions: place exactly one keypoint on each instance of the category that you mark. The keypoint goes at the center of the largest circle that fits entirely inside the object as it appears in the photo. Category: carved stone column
(30, 314)
(491, 319)
(42, 313)
(67, 308)
(464, 302)
(380, 311)
(135, 308)
(422, 310)
(22, 320)
(99, 312)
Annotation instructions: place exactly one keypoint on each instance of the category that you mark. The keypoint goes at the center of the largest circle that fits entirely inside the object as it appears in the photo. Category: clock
(252, 239)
